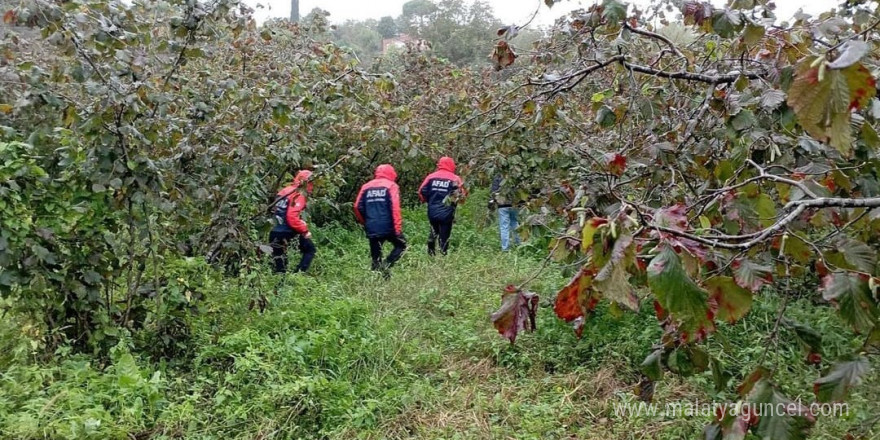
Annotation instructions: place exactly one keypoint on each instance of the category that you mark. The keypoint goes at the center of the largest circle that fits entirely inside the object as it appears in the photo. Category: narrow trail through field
(459, 377)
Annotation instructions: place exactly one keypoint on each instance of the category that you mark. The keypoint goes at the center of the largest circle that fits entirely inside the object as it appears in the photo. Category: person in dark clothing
(442, 190)
(377, 207)
(508, 214)
(290, 225)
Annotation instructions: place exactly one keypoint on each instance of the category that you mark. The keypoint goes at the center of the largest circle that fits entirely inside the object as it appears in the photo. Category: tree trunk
(294, 10)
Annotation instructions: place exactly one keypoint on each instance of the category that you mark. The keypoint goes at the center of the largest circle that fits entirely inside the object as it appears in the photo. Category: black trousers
(376, 243)
(279, 240)
(441, 229)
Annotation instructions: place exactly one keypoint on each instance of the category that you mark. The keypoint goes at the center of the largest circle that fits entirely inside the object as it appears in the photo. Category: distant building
(398, 41)
(404, 41)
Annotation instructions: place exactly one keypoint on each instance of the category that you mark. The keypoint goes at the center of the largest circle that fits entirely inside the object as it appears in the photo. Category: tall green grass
(342, 353)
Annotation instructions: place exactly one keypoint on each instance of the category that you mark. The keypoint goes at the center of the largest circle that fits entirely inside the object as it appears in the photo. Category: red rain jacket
(294, 203)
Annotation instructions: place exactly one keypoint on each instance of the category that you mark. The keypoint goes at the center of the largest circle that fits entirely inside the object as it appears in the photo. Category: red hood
(386, 171)
(446, 164)
(301, 177)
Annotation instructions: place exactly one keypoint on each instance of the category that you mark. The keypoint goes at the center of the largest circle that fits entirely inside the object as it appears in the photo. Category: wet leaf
(502, 55)
(686, 303)
(850, 53)
(729, 301)
(772, 98)
(612, 280)
(516, 314)
(835, 385)
(652, 366)
(788, 421)
(751, 275)
(856, 304)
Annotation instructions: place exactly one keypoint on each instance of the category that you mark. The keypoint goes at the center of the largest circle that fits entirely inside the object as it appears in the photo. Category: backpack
(280, 210)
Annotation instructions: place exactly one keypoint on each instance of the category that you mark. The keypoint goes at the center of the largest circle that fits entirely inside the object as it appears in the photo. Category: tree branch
(656, 36)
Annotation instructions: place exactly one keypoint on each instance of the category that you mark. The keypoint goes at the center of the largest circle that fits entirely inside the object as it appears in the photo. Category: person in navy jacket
(441, 190)
(290, 225)
(377, 207)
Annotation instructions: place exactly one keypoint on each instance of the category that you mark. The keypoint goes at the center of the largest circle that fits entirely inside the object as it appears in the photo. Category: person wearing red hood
(289, 224)
(441, 190)
(377, 207)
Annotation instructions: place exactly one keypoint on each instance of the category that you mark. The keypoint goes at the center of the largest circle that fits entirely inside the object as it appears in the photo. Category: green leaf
(43, 254)
(858, 254)
(753, 34)
(613, 11)
(719, 376)
(765, 208)
(726, 22)
(687, 360)
(652, 366)
(856, 303)
(678, 294)
(872, 342)
(605, 117)
(823, 99)
(612, 281)
(797, 249)
(786, 421)
(730, 301)
(806, 336)
(743, 120)
(869, 136)
(835, 385)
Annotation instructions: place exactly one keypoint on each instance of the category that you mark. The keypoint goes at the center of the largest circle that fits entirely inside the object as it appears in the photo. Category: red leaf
(9, 16)
(616, 163)
(567, 305)
(673, 217)
(576, 300)
(750, 381)
(517, 313)
(660, 311)
(751, 275)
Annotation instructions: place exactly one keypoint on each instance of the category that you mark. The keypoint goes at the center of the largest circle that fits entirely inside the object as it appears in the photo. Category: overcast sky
(509, 11)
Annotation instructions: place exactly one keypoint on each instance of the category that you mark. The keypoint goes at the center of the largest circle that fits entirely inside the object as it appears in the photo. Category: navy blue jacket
(435, 189)
(377, 206)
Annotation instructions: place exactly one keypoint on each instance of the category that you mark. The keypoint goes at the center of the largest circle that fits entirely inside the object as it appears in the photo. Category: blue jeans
(507, 223)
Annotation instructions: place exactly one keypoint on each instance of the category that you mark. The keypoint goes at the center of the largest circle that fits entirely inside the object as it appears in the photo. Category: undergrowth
(342, 353)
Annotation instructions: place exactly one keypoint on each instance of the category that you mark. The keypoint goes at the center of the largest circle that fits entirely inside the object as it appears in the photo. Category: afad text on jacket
(377, 205)
(435, 189)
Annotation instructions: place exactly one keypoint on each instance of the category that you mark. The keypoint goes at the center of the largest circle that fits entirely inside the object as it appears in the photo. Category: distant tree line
(460, 31)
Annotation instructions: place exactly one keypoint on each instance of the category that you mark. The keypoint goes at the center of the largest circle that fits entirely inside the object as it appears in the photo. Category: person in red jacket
(377, 207)
(441, 190)
(289, 224)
